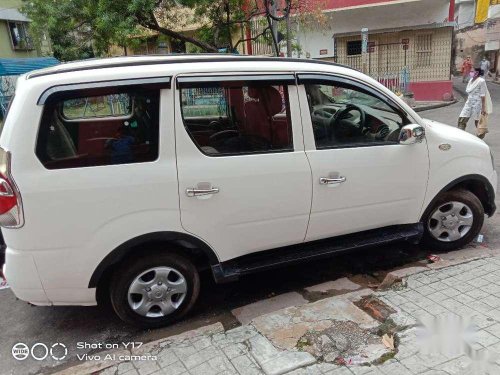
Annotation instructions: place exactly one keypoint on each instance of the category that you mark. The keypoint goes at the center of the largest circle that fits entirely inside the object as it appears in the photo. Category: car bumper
(22, 276)
(492, 195)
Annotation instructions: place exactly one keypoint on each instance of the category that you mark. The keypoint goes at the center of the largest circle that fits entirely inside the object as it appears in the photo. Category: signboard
(323, 52)
(364, 40)
(405, 41)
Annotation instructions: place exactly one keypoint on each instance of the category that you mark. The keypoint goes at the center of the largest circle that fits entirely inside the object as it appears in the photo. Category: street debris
(388, 341)
(434, 258)
(479, 238)
(344, 343)
(389, 280)
(374, 307)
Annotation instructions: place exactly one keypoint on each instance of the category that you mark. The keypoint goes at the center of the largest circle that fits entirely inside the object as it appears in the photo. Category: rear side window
(84, 131)
(234, 118)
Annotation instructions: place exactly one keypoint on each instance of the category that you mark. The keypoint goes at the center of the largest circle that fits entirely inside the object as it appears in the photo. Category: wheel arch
(192, 246)
(476, 184)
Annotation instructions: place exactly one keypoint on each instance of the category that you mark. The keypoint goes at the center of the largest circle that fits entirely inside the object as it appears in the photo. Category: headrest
(270, 96)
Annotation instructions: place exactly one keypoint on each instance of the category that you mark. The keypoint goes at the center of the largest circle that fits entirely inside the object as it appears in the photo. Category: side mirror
(411, 134)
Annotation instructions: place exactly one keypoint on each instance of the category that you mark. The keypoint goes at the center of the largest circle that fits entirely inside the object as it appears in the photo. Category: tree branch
(152, 24)
(253, 38)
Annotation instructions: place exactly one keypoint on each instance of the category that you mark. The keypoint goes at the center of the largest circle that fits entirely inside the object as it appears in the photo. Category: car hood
(452, 133)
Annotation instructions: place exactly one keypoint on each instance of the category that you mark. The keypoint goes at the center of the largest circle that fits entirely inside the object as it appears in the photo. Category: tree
(82, 28)
(75, 26)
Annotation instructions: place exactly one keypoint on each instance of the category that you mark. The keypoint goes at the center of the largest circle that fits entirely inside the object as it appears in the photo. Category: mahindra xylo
(124, 177)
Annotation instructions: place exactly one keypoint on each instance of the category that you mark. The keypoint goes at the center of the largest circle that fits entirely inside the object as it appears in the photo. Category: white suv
(122, 178)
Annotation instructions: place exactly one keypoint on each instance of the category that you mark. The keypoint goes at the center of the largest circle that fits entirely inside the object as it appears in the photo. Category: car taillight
(11, 211)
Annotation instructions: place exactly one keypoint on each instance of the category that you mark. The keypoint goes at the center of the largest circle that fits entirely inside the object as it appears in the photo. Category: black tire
(458, 195)
(132, 268)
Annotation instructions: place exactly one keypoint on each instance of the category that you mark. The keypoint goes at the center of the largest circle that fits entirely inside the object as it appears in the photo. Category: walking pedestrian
(466, 69)
(478, 104)
(485, 66)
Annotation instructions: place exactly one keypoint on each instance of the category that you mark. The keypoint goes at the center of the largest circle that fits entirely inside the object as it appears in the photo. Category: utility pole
(288, 36)
(274, 27)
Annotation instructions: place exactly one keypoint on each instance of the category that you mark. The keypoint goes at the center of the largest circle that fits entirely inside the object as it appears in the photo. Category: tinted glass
(236, 119)
(344, 116)
(100, 130)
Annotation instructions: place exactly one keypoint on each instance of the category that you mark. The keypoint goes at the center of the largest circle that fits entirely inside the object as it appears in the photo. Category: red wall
(431, 91)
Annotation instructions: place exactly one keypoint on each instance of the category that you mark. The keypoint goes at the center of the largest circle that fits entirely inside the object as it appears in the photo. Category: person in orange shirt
(466, 69)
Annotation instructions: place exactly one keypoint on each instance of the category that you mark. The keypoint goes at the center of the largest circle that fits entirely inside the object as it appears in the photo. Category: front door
(244, 179)
(362, 177)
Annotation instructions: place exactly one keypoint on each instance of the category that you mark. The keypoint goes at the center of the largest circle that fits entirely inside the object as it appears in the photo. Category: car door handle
(191, 192)
(331, 181)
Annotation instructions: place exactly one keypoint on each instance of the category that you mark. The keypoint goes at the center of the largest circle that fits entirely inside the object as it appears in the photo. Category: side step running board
(264, 260)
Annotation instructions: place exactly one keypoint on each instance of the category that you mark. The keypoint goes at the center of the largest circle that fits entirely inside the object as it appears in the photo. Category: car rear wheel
(454, 220)
(155, 290)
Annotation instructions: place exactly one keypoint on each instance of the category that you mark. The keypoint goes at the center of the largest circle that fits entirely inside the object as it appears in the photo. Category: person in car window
(121, 146)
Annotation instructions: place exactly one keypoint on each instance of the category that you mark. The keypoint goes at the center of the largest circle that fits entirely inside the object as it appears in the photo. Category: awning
(11, 14)
(14, 67)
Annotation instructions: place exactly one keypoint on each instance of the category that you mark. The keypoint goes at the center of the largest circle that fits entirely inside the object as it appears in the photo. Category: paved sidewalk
(444, 319)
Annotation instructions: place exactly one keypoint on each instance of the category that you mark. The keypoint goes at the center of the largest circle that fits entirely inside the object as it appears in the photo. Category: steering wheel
(349, 107)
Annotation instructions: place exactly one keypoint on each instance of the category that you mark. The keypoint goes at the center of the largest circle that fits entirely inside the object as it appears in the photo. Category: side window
(344, 116)
(232, 118)
(84, 131)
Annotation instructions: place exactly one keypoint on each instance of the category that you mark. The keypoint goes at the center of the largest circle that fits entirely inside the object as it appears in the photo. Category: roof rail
(167, 60)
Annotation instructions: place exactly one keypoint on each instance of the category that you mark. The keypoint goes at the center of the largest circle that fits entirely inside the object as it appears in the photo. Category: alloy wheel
(157, 292)
(450, 221)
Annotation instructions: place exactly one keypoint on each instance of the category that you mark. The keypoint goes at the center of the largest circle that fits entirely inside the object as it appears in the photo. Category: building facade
(16, 37)
(478, 32)
(407, 44)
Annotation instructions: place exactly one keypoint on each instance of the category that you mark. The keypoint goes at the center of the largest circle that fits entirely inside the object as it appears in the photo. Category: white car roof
(128, 61)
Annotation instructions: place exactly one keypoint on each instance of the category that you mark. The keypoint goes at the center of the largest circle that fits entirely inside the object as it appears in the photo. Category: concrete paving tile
(285, 327)
(494, 329)
(286, 361)
(245, 365)
(393, 367)
(340, 284)
(485, 338)
(362, 370)
(463, 287)
(246, 314)
(338, 371)
(146, 367)
(425, 290)
(310, 370)
(455, 366)
(482, 321)
(124, 367)
(166, 357)
(478, 283)
(495, 314)
(437, 297)
(200, 356)
(481, 307)
(491, 300)
(414, 364)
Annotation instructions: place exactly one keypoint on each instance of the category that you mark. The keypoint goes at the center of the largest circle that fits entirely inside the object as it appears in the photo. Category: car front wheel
(454, 220)
(155, 290)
